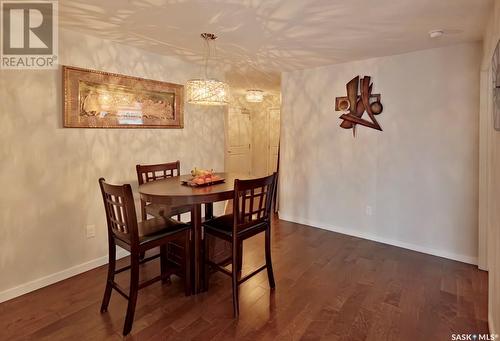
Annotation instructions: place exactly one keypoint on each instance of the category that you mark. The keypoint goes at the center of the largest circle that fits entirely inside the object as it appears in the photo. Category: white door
(274, 139)
(238, 137)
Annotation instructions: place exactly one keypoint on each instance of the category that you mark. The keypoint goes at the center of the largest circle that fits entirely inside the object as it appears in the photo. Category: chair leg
(269, 264)
(235, 276)
(144, 216)
(206, 259)
(187, 264)
(110, 278)
(134, 288)
(240, 257)
(165, 277)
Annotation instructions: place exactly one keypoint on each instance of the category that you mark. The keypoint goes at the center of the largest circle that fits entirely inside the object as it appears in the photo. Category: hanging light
(207, 91)
(254, 96)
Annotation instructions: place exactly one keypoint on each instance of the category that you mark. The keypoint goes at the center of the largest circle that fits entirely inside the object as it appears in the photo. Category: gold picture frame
(98, 99)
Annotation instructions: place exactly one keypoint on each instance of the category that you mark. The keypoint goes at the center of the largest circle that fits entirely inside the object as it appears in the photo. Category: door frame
(268, 166)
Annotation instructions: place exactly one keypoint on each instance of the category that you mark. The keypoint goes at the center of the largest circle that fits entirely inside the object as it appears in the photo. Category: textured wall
(420, 175)
(49, 174)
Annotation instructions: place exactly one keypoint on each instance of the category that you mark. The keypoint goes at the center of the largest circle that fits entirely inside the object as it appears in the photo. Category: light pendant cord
(207, 56)
(208, 37)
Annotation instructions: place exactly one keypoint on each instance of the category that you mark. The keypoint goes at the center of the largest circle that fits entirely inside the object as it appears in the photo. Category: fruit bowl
(202, 177)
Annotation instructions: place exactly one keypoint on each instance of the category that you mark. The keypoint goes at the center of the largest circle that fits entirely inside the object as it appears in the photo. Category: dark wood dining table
(173, 193)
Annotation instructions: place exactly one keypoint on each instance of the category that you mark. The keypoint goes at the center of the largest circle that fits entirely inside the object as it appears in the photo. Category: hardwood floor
(328, 286)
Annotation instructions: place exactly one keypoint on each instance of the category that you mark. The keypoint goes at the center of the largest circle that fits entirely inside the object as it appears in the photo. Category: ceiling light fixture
(436, 33)
(254, 96)
(206, 91)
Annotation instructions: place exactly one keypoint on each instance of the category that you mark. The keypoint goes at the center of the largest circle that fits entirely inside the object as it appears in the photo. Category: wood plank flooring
(329, 286)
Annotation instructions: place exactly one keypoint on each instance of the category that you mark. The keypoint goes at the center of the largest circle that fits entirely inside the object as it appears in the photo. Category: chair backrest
(252, 200)
(120, 211)
(147, 173)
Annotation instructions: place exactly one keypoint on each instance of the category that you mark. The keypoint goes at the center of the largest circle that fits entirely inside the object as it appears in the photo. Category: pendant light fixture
(206, 91)
(254, 96)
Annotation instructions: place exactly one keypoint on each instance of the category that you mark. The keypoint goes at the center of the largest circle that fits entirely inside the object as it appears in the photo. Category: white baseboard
(359, 234)
(491, 325)
(56, 277)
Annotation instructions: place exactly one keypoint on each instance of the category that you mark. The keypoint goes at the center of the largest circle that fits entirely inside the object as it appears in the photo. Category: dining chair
(252, 204)
(154, 172)
(148, 173)
(137, 237)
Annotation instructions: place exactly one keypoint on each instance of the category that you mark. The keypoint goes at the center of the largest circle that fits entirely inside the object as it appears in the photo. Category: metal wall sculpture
(359, 100)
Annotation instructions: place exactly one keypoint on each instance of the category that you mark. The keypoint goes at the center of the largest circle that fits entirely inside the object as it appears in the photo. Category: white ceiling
(260, 38)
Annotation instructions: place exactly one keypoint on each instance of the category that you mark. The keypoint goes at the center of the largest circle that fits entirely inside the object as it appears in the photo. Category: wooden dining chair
(148, 173)
(252, 204)
(137, 238)
(154, 172)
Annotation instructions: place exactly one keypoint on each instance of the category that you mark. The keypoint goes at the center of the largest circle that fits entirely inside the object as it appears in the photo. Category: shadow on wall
(413, 183)
(49, 183)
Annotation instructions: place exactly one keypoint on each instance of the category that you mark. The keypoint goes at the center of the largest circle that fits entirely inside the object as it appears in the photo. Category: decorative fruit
(201, 172)
(198, 181)
(203, 176)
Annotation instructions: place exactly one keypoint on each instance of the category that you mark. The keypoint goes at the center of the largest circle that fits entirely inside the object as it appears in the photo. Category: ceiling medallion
(206, 91)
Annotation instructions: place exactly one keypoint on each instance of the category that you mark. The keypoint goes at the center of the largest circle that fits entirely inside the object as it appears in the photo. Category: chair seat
(158, 210)
(158, 228)
(224, 225)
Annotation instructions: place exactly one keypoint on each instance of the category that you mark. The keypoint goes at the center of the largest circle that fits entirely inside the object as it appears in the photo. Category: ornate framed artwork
(97, 99)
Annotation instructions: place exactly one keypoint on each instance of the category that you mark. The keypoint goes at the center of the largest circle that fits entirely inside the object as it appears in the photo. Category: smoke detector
(436, 33)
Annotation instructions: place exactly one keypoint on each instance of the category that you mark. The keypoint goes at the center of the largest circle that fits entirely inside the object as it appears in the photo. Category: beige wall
(490, 176)
(419, 176)
(49, 174)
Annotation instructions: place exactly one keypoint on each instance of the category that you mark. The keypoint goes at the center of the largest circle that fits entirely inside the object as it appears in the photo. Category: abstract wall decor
(95, 99)
(359, 100)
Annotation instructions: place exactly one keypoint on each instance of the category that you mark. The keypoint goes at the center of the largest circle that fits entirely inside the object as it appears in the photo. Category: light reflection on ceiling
(260, 38)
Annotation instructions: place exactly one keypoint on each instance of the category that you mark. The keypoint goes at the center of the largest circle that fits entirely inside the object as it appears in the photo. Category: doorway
(252, 132)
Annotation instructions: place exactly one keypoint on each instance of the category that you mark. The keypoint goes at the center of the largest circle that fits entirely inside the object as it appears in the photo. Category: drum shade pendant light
(206, 91)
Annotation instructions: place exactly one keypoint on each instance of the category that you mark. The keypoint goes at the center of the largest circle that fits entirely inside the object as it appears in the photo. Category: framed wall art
(97, 99)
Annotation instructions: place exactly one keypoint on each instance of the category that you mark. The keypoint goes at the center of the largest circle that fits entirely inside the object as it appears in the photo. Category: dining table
(172, 192)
